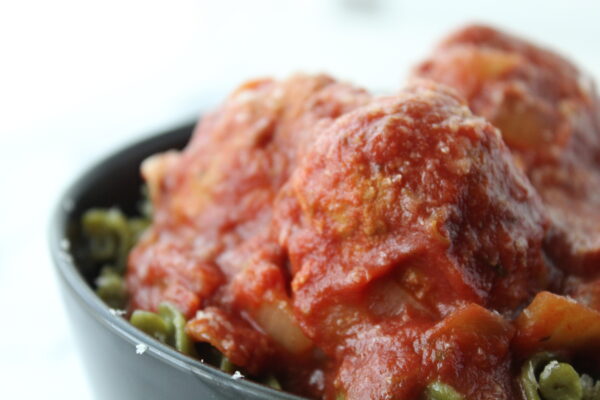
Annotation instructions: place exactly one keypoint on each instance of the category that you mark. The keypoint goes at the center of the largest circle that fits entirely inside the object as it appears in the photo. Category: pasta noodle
(544, 377)
(168, 326)
(110, 236)
(441, 391)
(110, 287)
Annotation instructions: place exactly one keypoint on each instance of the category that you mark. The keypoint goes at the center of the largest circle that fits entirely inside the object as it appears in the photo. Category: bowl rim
(66, 268)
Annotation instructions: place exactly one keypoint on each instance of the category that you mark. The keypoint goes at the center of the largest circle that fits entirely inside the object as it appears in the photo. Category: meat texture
(213, 207)
(549, 115)
(406, 218)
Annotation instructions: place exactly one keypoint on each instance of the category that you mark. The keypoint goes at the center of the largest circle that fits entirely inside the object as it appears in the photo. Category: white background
(80, 78)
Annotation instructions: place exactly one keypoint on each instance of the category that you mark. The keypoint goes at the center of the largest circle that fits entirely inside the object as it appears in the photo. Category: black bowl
(109, 345)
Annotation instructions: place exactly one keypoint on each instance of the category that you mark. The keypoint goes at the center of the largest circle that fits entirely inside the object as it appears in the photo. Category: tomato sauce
(363, 247)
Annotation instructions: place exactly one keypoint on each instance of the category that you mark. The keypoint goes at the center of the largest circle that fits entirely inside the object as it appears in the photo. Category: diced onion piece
(277, 319)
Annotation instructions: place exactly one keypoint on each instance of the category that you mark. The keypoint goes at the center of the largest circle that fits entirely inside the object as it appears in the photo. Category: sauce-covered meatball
(312, 231)
(406, 218)
(213, 207)
(219, 191)
(549, 115)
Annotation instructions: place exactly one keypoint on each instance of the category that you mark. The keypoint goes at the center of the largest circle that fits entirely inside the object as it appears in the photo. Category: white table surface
(80, 78)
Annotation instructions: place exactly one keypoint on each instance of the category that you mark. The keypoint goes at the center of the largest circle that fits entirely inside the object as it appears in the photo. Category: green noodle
(110, 236)
(560, 381)
(544, 377)
(441, 391)
(272, 382)
(168, 326)
(227, 366)
(110, 287)
(178, 338)
(151, 323)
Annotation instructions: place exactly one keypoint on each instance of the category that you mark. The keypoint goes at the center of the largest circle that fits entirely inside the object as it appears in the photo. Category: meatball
(219, 191)
(213, 206)
(405, 217)
(549, 115)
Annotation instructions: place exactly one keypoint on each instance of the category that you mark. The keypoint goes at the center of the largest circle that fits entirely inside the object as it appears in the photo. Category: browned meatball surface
(213, 207)
(549, 115)
(407, 216)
